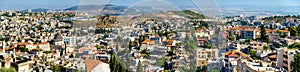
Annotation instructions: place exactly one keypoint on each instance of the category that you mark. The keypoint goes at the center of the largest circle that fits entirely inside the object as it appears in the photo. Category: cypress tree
(139, 67)
(263, 34)
(298, 31)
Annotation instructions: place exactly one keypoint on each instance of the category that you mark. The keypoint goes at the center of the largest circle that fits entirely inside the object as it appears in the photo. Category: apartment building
(203, 55)
(285, 57)
(245, 65)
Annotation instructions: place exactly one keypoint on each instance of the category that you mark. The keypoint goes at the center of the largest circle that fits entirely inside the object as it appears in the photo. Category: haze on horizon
(61, 4)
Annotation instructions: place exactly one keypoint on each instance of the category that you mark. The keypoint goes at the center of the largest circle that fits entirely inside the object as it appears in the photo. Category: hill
(95, 7)
(189, 14)
(37, 10)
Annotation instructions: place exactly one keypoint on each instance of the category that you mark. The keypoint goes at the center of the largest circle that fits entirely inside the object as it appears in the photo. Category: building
(96, 66)
(205, 54)
(5, 60)
(44, 46)
(58, 39)
(231, 57)
(258, 45)
(249, 33)
(285, 57)
(22, 65)
(245, 65)
(71, 41)
(214, 65)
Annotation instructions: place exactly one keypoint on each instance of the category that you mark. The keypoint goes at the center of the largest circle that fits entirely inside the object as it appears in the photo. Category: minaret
(3, 46)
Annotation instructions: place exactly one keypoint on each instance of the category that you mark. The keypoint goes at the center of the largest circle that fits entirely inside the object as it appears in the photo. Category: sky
(61, 4)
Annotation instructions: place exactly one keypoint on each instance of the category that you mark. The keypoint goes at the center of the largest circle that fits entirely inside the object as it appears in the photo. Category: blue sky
(28, 4)
(60, 4)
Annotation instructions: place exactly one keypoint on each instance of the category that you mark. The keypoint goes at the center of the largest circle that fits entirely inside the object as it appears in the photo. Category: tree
(293, 31)
(171, 52)
(146, 52)
(166, 66)
(293, 46)
(7, 69)
(141, 38)
(271, 26)
(205, 24)
(123, 66)
(160, 61)
(139, 67)
(231, 37)
(22, 48)
(277, 45)
(37, 69)
(113, 63)
(97, 46)
(296, 63)
(55, 68)
(178, 44)
(263, 34)
(244, 23)
(253, 54)
(132, 44)
(26, 50)
(284, 35)
(201, 69)
(128, 59)
(117, 47)
(208, 45)
(192, 66)
(298, 31)
(190, 45)
(266, 47)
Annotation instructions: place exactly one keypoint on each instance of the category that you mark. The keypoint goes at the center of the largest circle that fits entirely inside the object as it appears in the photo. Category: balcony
(285, 68)
(285, 56)
(285, 59)
(285, 65)
(285, 62)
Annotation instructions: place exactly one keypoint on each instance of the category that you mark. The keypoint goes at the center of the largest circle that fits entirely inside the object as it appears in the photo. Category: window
(23, 70)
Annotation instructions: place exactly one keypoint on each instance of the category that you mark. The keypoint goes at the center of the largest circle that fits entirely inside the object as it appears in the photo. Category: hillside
(189, 14)
(95, 7)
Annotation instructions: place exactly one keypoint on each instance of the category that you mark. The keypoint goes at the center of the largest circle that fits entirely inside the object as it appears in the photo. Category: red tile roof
(201, 39)
(147, 41)
(235, 53)
(169, 40)
(86, 48)
(273, 56)
(91, 64)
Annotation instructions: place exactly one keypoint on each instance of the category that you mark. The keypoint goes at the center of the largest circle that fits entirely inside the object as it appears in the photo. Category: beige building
(285, 57)
(205, 54)
(6, 59)
(245, 65)
(23, 65)
(232, 57)
(44, 46)
(258, 45)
